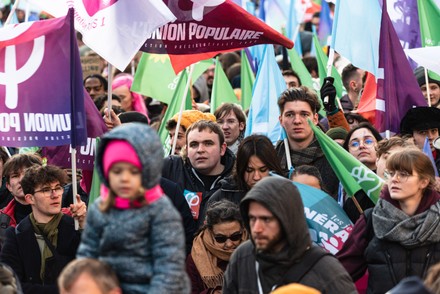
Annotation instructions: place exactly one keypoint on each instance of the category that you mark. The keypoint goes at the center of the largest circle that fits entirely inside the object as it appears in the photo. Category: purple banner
(35, 85)
(85, 155)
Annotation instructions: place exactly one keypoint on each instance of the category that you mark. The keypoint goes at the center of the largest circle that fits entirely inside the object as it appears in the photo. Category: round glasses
(47, 191)
(234, 237)
(402, 176)
(355, 144)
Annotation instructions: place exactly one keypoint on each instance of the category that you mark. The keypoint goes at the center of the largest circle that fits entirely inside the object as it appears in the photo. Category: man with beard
(280, 251)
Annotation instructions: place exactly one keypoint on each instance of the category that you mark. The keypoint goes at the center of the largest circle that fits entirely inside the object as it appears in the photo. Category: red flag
(209, 27)
(367, 103)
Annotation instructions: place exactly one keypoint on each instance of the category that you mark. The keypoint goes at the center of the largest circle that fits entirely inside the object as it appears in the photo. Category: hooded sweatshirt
(281, 197)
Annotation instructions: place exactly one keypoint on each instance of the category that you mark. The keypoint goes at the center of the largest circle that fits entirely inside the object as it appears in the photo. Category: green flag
(174, 105)
(306, 79)
(155, 77)
(222, 91)
(354, 175)
(96, 182)
(429, 16)
(247, 81)
(322, 67)
(149, 82)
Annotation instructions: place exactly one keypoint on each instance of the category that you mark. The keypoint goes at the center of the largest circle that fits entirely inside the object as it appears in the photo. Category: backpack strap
(308, 261)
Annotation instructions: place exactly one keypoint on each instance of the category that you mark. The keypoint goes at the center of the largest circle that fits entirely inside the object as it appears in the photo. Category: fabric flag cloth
(247, 80)
(53, 7)
(85, 155)
(424, 57)
(34, 53)
(163, 85)
(325, 23)
(95, 188)
(207, 28)
(429, 15)
(116, 29)
(427, 150)
(174, 106)
(397, 88)
(352, 174)
(222, 91)
(356, 28)
(264, 112)
(329, 225)
(322, 68)
(367, 102)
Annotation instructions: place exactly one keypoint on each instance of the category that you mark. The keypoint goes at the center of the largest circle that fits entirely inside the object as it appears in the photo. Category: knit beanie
(337, 133)
(420, 76)
(191, 116)
(119, 151)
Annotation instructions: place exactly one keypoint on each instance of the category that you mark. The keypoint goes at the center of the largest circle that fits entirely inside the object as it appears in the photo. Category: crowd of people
(220, 213)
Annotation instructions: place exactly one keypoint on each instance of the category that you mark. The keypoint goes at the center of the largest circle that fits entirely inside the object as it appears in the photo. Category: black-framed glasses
(402, 176)
(47, 191)
(234, 237)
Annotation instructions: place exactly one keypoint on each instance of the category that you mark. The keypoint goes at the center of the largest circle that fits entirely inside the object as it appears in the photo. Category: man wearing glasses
(45, 240)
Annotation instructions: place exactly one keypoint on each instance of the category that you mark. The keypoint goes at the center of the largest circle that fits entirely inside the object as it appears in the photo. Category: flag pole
(109, 89)
(73, 111)
(11, 13)
(428, 92)
(182, 105)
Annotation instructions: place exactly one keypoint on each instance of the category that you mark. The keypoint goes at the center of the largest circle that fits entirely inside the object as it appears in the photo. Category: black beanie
(420, 76)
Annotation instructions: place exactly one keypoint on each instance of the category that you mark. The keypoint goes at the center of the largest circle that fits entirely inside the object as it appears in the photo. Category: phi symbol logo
(12, 76)
(199, 7)
(93, 7)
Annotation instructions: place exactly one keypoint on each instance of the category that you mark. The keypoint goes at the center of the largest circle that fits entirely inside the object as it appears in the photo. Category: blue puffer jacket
(145, 246)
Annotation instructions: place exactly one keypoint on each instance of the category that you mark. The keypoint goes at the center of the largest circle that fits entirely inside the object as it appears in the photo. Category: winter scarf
(392, 224)
(50, 230)
(205, 253)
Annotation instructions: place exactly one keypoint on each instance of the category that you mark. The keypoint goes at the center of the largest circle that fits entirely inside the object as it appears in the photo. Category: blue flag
(264, 111)
(428, 152)
(325, 23)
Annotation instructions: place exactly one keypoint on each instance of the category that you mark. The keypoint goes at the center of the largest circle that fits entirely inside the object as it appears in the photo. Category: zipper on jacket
(427, 260)
(390, 267)
(408, 269)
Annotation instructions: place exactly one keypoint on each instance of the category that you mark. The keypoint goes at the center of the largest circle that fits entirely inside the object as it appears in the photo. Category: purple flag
(397, 88)
(38, 74)
(85, 155)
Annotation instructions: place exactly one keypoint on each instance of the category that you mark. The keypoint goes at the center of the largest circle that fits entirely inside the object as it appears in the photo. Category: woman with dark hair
(361, 142)
(213, 245)
(399, 237)
(256, 157)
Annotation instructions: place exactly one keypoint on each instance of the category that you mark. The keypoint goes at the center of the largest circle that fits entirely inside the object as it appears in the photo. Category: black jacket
(22, 253)
(181, 172)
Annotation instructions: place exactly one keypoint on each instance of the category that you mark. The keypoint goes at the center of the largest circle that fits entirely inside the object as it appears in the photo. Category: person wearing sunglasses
(399, 237)
(213, 245)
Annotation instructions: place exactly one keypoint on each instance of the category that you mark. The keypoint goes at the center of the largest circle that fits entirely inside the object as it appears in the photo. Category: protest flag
(174, 106)
(427, 150)
(34, 53)
(367, 102)
(222, 91)
(322, 71)
(207, 29)
(116, 29)
(329, 225)
(353, 175)
(160, 87)
(429, 15)
(325, 23)
(247, 80)
(397, 87)
(264, 112)
(423, 56)
(96, 181)
(355, 32)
